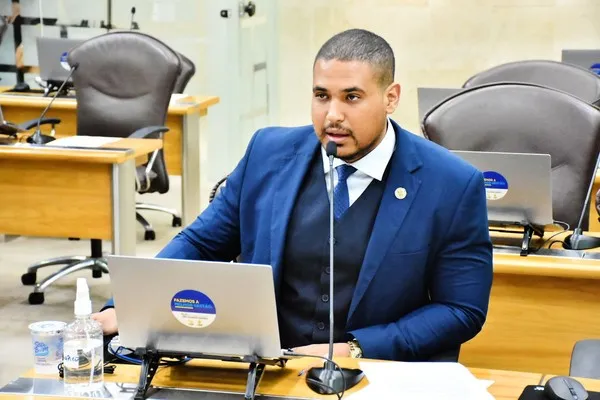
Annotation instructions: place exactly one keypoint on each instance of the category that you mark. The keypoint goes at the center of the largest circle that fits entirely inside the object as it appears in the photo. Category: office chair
(124, 83)
(188, 69)
(525, 118)
(585, 359)
(220, 185)
(568, 78)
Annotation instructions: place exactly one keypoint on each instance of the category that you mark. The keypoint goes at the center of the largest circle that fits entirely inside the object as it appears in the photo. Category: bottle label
(41, 349)
(71, 358)
(193, 309)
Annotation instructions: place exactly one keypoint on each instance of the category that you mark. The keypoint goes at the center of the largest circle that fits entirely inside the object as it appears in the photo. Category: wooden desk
(219, 376)
(181, 143)
(539, 307)
(64, 192)
(594, 223)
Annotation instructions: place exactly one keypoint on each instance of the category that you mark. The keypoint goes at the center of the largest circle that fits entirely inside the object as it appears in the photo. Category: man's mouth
(336, 134)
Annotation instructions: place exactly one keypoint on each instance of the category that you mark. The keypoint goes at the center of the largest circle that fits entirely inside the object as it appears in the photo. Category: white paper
(416, 381)
(181, 98)
(83, 141)
(486, 383)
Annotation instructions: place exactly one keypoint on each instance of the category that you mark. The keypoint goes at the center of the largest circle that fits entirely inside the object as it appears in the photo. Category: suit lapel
(292, 171)
(392, 211)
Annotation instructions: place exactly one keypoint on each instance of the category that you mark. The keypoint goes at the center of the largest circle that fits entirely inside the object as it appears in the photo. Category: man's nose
(334, 113)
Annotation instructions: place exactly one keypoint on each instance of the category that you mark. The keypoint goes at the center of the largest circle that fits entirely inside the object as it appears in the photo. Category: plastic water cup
(47, 340)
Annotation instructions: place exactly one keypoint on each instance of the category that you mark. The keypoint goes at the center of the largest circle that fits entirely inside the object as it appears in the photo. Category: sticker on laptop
(63, 61)
(496, 186)
(193, 309)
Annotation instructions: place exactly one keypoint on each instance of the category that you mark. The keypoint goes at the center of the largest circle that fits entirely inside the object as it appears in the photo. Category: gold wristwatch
(355, 350)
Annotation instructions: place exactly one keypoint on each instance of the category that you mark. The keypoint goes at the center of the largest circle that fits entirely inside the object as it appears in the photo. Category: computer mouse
(21, 87)
(564, 388)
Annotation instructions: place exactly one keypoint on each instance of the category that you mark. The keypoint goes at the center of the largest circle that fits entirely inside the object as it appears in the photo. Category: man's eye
(321, 96)
(353, 97)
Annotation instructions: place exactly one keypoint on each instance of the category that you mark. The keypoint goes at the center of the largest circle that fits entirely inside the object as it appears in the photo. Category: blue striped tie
(341, 200)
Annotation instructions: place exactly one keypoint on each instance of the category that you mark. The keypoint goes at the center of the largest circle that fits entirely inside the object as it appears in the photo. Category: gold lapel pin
(400, 193)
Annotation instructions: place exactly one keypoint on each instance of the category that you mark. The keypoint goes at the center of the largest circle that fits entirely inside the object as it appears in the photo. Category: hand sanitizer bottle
(83, 355)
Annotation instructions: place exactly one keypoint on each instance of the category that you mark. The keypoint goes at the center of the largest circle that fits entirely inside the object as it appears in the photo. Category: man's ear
(392, 97)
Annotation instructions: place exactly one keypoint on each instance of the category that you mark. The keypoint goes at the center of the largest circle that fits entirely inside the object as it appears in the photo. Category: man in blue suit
(413, 254)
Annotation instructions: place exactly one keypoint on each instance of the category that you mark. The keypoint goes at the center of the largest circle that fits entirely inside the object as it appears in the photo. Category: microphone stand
(38, 137)
(577, 240)
(330, 379)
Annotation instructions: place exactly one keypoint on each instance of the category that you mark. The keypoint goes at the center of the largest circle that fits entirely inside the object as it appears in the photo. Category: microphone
(578, 241)
(330, 379)
(133, 25)
(38, 137)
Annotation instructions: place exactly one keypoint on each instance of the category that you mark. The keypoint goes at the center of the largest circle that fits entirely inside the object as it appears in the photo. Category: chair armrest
(146, 131)
(32, 123)
(585, 359)
(217, 189)
(143, 133)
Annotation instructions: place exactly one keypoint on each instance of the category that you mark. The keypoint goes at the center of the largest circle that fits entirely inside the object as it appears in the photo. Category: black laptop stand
(150, 362)
(528, 232)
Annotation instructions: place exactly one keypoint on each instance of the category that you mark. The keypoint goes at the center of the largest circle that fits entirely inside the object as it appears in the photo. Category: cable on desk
(566, 227)
(163, 363)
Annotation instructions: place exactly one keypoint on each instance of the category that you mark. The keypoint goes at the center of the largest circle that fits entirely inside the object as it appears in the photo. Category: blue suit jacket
(425, 281)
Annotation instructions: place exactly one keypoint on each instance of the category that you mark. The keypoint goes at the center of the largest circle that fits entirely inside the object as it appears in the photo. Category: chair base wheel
(29, 278)
(96, 273)
(149, 235)
(176, 221)
(36, 298)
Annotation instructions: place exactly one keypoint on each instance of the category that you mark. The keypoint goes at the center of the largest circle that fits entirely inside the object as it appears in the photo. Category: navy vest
(304, 293)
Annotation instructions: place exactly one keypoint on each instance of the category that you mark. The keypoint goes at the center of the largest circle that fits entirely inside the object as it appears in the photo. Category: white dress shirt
(372, 166)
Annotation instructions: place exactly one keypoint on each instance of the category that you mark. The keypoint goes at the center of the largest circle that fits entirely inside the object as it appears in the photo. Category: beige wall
(436, 42)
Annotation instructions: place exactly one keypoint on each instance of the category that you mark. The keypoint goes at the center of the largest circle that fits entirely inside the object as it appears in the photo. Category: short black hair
(361, 45)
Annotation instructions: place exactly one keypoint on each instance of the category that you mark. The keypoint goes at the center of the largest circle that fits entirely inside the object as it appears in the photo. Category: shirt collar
(374, 163)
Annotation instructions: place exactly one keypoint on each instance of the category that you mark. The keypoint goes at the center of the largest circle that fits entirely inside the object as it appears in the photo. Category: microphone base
(332, 380)
(40, 139)
(581, 242)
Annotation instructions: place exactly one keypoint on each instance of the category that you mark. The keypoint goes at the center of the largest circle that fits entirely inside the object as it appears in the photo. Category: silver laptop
(582, 58)
(210, 308)
(428, 97)
(518, 186)
(52, 57)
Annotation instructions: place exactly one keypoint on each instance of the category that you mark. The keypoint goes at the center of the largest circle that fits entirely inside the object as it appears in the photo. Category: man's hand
(108, 320)
(339, 350)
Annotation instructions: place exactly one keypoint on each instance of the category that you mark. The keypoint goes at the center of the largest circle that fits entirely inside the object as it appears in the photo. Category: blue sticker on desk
(496, 186)
(193, 309)
(63, 61)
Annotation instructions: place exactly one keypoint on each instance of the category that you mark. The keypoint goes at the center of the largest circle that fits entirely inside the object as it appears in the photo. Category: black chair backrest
(568, 78)
(525, 118)
(188, 69)
(217, 188)
(124, 82)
